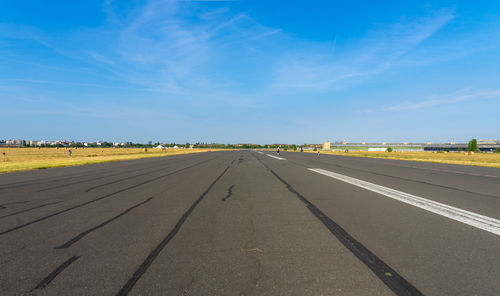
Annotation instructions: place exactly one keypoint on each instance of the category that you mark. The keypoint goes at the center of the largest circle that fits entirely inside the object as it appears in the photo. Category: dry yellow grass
(476, 159)
(20, 159)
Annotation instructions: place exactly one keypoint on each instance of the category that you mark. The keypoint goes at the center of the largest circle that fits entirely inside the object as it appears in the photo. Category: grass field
(476, 159)
(20, 159)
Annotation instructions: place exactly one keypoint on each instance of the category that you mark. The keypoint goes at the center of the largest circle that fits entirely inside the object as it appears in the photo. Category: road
(247, 223)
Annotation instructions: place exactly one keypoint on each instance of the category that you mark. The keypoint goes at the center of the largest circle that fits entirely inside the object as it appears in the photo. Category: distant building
(314, 145)
(488, 142)
(326, 146)
(12, 143)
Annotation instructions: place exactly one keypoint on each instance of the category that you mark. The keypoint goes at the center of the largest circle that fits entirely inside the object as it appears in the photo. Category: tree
(473, 145)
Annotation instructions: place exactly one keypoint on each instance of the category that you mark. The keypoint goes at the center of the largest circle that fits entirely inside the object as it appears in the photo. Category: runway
(250, 223)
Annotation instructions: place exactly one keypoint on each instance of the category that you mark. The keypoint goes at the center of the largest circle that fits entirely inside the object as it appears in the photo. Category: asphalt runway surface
(251, 223)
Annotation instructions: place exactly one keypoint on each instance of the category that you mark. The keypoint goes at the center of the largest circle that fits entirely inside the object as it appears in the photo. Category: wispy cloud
(439, 100)
(317, 69)
(163, 48)
(49, 82)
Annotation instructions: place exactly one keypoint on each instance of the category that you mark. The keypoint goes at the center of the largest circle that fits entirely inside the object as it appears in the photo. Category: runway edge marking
(476, 220)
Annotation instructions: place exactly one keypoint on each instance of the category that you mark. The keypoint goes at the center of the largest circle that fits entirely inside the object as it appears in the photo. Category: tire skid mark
(14, 203)
(99, 198)
(126, 178)
(405, 179)
(50, 179)
(81, 235)
(152, 256)
(46, 180)
(88, 180)
(46, 281)
(162, 165)
(229, 193)
(394, 281)
(27, 210)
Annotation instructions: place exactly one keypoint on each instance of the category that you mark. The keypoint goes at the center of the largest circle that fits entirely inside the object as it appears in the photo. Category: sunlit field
(462, 158)
(20, 159)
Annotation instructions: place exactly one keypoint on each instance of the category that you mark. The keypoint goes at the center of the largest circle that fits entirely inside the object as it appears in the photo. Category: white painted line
(260, 152)
(479, 221)
(280, 158)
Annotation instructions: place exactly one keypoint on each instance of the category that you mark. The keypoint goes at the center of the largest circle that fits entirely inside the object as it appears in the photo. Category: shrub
(473, 145)
(389, 149)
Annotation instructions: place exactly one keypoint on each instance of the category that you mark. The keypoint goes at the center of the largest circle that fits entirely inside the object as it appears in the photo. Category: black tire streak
(87, 180)
(99, 198)
(81, 235)
(394, 281)
(123, 179)
(15, 203)
(162, 165)
(46, 281)
(27, 210)
(405, 179)
(152, 256)
(229, 193)
(75, 175)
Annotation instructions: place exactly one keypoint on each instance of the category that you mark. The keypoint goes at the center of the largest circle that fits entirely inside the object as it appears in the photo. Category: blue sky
(250, 71)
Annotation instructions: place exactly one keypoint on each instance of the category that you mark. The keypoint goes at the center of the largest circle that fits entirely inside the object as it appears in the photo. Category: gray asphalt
(242, 223)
